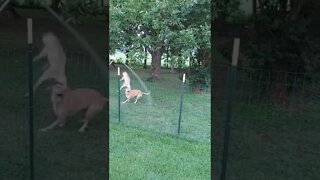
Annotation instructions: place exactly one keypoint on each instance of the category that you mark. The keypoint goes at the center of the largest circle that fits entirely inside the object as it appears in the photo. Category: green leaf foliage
(154, 23)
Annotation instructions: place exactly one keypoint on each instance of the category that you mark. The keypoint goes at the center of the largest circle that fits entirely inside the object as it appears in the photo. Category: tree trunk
(190, 62)
(295, 10)
(254, 9)
(127, 57)
(279, 92)
(55, 5)
(172, 70)
(198, 88)
(156, 63)
(283, 5)
(167, 52)
(145, 59)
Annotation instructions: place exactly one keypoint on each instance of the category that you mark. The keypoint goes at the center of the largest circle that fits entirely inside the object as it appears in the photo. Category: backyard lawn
(145, 144)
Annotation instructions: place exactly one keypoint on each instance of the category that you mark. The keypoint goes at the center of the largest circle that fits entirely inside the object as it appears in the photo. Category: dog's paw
(26, 94)
(81, 130)
(43, 130)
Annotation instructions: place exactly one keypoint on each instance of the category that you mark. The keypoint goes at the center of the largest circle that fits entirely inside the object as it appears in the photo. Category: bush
(199, 78)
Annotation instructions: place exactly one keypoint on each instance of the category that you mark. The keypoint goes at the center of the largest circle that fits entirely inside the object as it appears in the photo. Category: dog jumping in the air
(67, 102)
(55, 69)
(134, 93)
(126, 79)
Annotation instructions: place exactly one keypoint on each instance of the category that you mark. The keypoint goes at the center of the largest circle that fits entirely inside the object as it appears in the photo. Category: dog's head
(124, 73)
(49, 38)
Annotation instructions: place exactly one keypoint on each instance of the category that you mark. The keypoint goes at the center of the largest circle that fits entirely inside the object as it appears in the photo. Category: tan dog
(126, 79)
(55, 69)
(134, 93)
(67, 102)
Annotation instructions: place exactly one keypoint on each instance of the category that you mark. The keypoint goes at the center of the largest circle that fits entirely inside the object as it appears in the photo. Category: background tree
(155, 25)
(71, 10)
(284, 38)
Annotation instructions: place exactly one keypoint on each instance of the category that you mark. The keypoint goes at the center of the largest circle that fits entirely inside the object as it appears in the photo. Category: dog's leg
(84, 126)
(52, 125)
(122, 86)
(42, 54)
(126, 101)
(62, 123)
(46, 75)
(128, 86)
(46, 66)
(138, 97)
(40, 81)
(90, 113)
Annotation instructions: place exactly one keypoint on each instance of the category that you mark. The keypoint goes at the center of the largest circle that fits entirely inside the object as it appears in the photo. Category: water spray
(4, 5)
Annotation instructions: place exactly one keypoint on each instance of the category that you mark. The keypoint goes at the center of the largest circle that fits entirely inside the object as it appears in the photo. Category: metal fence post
(231, 91)
(119, 93)
(181, 99)
(30, 69)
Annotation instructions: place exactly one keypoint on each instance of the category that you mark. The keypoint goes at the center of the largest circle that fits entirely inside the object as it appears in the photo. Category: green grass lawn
(268, 140)
(145, 144)
(282, 146)
(138, 154)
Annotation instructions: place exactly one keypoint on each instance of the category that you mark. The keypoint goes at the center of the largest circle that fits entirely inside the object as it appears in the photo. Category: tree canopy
(283, 35)
(182, 25)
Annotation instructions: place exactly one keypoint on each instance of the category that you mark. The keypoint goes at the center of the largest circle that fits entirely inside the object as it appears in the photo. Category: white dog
(126, 79)
(56, 60)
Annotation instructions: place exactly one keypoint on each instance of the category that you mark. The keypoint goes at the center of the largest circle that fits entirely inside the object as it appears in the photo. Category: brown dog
(67, 102)
(134, 93)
